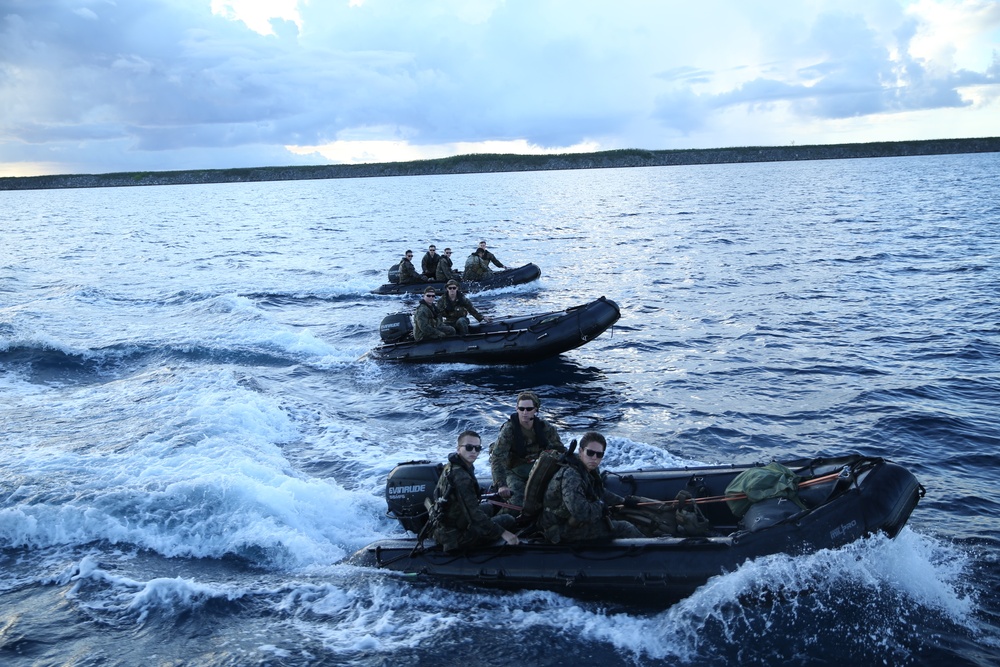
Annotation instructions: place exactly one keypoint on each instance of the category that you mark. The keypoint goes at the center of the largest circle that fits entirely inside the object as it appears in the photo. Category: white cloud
(258, 15)
(950, 33)
(361, 151)
(168, 84)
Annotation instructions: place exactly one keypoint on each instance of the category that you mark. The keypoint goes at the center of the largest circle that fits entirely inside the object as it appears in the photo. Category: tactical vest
(520, 448)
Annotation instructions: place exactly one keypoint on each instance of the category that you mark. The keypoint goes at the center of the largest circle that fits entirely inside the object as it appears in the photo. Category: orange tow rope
(739, 496)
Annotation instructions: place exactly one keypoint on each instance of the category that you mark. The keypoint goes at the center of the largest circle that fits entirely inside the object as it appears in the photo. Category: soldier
(455, 308)
(445, 271)
(407, 273)
(522, 438)
(475, 266)
(576, 504)
(489, 257)
(430, 261)
(456, 519)
(427, 321)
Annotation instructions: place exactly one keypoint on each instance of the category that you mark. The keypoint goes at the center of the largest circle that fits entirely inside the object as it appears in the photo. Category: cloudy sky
(96, 86)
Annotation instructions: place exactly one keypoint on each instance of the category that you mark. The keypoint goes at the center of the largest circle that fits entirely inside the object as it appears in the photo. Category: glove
(631, 502)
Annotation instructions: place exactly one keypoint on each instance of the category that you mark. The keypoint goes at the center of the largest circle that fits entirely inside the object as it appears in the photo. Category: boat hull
(518, 276)
(660, 571)
(511, 340)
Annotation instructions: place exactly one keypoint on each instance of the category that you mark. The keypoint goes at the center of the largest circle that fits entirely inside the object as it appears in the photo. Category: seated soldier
(429, 264)
(476, 267)
(576, 503)
(445, 272)
(407, 273)
(456, 519)
(490, 258)
(522, 438)
(426, 319)
(455, 309)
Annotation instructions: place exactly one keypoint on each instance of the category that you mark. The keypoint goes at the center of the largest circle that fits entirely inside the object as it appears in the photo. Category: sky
(101, 86)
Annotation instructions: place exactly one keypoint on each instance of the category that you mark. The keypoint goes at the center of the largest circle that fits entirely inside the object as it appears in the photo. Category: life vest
(451, 308)
(520, 448)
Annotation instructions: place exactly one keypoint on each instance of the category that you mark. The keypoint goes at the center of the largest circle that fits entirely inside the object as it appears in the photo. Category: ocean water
(194, 439)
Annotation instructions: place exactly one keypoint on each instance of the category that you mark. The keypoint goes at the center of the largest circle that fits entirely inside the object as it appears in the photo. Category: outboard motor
(406, 488)
(395, 328)
(394, 274)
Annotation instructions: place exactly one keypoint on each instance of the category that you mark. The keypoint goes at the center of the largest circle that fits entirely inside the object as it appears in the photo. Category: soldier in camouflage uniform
(445, 272)
(522, 438)
(407, 273)
(576, 504)
(455, 309)
(427, 321)
(456, 519)
(475, 266)
(489, 257)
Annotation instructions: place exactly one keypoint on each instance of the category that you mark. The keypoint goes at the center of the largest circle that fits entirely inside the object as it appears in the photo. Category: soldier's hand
(504, 492)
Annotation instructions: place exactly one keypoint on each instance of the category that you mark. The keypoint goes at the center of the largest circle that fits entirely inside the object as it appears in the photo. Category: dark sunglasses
(451, 288)
(591, 452)
(523, 409)
(473, 448)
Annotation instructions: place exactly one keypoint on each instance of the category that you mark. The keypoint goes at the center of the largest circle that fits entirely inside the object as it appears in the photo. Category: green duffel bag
(771, 481)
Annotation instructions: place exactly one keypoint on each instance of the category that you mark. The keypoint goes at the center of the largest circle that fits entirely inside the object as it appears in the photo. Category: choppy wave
(194, 438)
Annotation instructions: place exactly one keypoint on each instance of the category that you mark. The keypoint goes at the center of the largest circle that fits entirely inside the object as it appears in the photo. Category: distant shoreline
(493, 163)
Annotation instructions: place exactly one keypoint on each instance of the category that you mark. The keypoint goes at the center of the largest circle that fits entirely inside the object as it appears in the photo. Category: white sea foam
(202, 474)
(914, 573)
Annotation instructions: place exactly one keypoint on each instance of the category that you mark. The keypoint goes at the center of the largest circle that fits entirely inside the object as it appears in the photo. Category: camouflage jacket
(408, 274)
(459, 521)
(460, 307)
(475, 268)
(515, 449)
(575, 504)
(444, 272)
(426, 322)
(490, 257)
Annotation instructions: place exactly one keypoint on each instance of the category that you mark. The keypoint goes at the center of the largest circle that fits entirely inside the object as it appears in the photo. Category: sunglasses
(473, 448)
(591, 452)
(523, 409)
(452, 288)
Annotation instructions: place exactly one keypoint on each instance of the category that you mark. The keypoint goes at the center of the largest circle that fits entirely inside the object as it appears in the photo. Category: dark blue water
(194, 439)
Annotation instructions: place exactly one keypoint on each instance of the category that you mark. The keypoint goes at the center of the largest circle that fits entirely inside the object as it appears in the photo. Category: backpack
(542, 472)
(771, 481)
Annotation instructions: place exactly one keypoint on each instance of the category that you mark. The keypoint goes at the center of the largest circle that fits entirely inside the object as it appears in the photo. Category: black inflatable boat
(518, 276)
(839, 500)
(506, 340)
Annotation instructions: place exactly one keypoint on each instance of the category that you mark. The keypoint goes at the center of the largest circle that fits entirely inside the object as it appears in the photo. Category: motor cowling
(406, 488)
(394, 274)
(395, 328)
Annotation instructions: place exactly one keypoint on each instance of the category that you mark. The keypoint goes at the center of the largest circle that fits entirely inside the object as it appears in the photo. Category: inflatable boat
(506, 340)
(518, 276)
(837, 500)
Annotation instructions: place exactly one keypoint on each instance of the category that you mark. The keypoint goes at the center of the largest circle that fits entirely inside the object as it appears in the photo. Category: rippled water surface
(194, 437)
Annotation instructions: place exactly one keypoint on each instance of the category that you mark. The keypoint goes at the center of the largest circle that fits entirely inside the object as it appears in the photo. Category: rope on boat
(734, 496)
